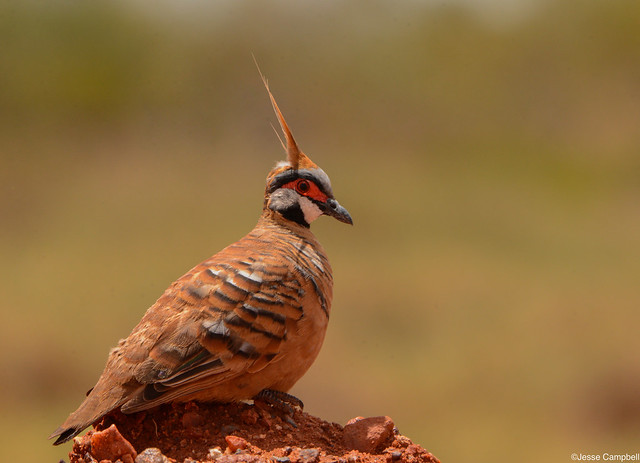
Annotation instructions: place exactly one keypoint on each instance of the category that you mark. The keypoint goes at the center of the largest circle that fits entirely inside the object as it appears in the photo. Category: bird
(246, 323)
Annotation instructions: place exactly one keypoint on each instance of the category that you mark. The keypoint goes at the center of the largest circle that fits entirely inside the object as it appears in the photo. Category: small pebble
(250, 417)
(309, 455)
(215, 453)
(394, 456)
(235, 443)
(110, 445)
(151, 455)
(368, 434)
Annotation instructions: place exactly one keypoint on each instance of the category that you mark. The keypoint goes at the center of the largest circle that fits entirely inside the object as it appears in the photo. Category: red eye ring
(302, 186)
(307, 188)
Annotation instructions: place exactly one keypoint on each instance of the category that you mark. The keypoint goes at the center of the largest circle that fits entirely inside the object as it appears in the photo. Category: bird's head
(297, 188)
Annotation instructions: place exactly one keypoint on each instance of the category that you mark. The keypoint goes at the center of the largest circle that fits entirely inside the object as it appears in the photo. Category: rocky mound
(241, 432)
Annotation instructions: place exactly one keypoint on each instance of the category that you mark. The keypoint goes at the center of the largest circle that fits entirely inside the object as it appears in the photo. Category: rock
(394, 456)
(249, 417)
(368, 434)
(215, 453)
(236, 443)
(309, 456)
(353, 420)
(110, 445)
(151, 455)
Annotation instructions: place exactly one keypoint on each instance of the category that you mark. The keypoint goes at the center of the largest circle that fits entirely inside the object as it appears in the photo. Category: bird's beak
(334, 209)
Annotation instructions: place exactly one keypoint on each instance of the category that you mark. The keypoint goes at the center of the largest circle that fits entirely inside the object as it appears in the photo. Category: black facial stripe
(295, 214)
(291, 175)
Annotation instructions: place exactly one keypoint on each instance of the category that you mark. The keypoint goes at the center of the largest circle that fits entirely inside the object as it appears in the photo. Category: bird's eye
(302, 186)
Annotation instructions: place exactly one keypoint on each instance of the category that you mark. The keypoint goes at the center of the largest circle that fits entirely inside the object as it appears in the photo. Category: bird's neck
(271, 225)
(274, 220)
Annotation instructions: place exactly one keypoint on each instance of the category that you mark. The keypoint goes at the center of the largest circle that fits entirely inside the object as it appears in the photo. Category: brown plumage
(248, 319)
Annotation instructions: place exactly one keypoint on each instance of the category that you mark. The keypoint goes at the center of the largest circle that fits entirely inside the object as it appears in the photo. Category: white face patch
(309, 209)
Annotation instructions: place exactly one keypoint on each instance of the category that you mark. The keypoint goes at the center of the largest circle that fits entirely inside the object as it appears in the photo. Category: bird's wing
(231, 319)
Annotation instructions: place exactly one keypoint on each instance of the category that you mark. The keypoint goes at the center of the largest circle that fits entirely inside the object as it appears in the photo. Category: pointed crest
(295, 157)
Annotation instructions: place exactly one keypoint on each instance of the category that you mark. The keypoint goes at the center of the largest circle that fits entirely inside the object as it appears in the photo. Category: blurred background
(488, 296)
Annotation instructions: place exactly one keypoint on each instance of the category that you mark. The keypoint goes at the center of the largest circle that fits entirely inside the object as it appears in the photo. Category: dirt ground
(241, 432)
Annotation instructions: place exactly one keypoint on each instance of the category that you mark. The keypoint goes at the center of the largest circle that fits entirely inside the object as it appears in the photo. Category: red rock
(235, 443)
(354, 420)
(368, 434)
(110, 445)
(249, 417)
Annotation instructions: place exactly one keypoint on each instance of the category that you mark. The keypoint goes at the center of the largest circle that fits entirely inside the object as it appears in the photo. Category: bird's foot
(281, 401)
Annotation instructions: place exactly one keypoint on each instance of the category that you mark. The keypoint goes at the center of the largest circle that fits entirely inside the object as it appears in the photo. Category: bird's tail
(95, 406)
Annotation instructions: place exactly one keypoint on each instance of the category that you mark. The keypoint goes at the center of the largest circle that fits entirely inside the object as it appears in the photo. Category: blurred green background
(488, 296)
